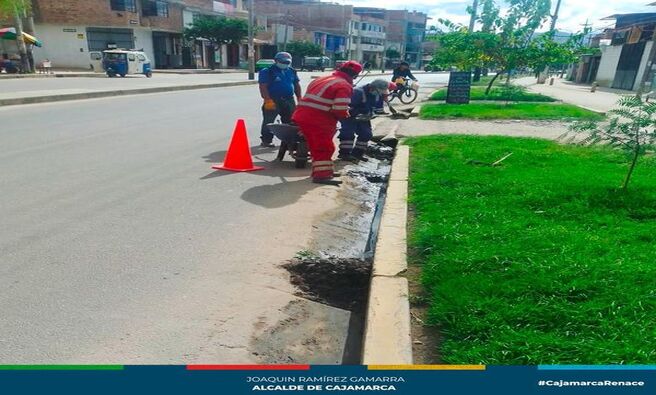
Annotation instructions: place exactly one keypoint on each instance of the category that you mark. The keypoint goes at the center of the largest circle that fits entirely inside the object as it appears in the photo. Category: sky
(573, 13)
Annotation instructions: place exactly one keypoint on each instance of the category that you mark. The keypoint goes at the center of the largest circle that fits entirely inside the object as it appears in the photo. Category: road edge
(127, 92)
(387, 337)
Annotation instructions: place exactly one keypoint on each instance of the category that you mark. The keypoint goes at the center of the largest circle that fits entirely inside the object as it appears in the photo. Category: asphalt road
(119, 244)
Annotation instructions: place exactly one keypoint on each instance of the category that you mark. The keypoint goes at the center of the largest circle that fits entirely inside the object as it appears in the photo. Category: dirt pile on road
(338, 282)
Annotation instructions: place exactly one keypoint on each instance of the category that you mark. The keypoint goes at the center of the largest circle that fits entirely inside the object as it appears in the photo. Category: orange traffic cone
(238, 157)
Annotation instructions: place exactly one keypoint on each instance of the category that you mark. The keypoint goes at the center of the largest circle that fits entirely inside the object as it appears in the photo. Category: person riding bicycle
(400, 74)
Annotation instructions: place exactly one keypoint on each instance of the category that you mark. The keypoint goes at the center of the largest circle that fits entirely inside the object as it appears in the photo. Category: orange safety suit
(325, 102)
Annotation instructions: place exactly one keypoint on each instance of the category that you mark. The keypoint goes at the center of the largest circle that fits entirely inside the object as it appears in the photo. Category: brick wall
(326, 17)
(205, 5)
(172, 23)
(81, 12)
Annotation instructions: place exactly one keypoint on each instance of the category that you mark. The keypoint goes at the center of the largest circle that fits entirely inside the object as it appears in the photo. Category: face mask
(282, 66)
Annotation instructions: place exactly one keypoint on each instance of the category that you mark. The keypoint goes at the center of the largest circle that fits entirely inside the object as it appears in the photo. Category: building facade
(368, 36)
(71, 29)
(406, 33)
(344, 31)
(625, 51)
(323, 23)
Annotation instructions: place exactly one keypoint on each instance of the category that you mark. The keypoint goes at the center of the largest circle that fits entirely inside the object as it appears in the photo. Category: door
(100, 39)
(161, 50)
(627, 68)
(133, 65)
(95, 61)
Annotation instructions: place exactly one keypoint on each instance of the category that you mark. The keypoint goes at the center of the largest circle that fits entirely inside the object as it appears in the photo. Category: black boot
(347, 158)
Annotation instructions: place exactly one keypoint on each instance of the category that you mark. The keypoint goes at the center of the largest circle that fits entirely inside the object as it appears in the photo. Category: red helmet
(351, 67)
(391, 86)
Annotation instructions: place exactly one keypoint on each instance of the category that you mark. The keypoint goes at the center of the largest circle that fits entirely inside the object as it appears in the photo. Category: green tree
(464, 50)
(218, 30)
(503, 41)
(16, 10)
(392, 53)
(544, 52)
(632, 127)
(301, 49)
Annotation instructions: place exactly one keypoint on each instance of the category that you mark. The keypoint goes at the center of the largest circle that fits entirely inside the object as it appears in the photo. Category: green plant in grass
(632, 128)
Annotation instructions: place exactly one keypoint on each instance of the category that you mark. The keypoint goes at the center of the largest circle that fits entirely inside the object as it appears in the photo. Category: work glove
(269, 105)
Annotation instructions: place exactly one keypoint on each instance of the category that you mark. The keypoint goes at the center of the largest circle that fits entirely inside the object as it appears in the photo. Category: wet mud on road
(325, 324)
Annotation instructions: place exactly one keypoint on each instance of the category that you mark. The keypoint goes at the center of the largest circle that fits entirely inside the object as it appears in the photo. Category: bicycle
(406, 93)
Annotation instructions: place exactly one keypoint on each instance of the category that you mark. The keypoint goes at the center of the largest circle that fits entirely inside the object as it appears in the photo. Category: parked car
(263, 64)
(429, 68)
(311, 63)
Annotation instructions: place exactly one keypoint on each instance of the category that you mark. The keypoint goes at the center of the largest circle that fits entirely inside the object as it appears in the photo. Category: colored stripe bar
(61, 367)
(248, 367)
(596, 367)
(426, 367)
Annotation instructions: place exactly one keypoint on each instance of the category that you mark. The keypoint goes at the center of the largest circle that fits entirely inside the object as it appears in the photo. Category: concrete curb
(67, 75)
(387, 338)
(416, 110)
(95, 95)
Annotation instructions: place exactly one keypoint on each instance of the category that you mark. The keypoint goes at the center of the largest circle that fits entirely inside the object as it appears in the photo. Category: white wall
(144, 39)
(63, 49)
(643, 64)
(71, 49)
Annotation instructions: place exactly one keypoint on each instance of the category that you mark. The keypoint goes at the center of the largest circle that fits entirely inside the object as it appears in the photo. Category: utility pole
(554, 17)
(251, 45)
(542, 77)
(472, 20)
(472, 24)
(284, 43)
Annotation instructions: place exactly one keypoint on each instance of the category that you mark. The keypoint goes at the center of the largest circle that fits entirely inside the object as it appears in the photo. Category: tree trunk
(489, 86)
(636, 153)
(22, 49)
(477, 74)
(29, 27)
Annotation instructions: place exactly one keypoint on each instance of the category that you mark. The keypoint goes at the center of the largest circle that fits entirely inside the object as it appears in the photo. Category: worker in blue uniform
(356, 132)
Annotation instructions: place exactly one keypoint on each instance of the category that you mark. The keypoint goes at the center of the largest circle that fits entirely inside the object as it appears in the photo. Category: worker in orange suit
(326, 101)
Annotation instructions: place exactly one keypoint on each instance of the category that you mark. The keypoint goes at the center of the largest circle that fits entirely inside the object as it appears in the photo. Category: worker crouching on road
(364, 102)
(278, 85)
(325, 102)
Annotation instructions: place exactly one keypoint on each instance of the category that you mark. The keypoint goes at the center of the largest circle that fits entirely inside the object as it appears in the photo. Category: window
(155, 8)
(96, 56)
(123, 5)
(141, 57)
(131, 57)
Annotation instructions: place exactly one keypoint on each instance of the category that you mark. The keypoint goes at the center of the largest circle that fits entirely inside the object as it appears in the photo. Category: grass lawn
(498, 94)
(535, 111)
(541, 260)
(486, 80)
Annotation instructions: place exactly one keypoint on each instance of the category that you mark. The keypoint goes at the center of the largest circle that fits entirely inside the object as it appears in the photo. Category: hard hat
(380, 85)
(283, 57)
(351, 67)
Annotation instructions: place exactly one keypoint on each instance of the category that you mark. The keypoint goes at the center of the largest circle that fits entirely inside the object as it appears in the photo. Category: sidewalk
(601, 101)
(42, 90)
